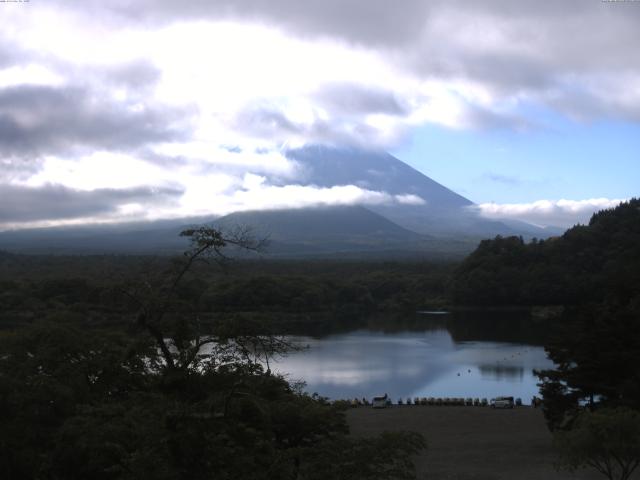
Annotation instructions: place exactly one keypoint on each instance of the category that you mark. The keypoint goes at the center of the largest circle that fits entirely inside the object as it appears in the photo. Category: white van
(502, 402)
(380, 402)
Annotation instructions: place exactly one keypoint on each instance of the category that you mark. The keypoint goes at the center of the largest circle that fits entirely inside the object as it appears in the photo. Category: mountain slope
(373, 170)
(443, 212)
(319, 231)
(318, 224)
(348, 231)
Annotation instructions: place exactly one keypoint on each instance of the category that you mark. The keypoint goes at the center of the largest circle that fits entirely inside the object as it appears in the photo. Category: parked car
(502, 402)
(380, 402)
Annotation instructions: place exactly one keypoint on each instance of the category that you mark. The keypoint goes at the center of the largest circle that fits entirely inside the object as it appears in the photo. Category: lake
(432, 357)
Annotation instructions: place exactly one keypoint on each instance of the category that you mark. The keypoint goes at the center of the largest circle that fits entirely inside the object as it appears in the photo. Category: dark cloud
(6, 57)
(381, 23)
(354, 99)
(584, 106)
(133, 75)
(515, 49)
(38, 120)
(272, 123)
(376, 22)
(528, 47)
(54, 202)
(10, 53)
(482, 118)
(18, 168)
(266, 122)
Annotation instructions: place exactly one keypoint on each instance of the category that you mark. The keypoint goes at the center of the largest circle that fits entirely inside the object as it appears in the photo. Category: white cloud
(409, 199)
(206, 188)
(561, 213)
(29, 74)
(263, 76)
(258, 195)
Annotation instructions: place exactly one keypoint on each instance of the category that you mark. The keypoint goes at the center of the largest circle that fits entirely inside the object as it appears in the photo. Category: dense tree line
(287, 292)
(587, 263)
(593, 271)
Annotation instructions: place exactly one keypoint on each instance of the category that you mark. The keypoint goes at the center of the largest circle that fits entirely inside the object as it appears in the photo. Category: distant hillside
(321, 224)
(351, 231)
(339, 230)
(160, 237)
(588, 263)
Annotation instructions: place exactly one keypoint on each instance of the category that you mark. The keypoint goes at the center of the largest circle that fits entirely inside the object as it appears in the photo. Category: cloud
(410, 199)
(95, 188)
(352, 98)
(22, 204)
(561, 213)
(39, 120)
(504, 179)
(360, 21)
(257, 194)
(195, 95)
(136, 74)
(360, 72)
(515, 51)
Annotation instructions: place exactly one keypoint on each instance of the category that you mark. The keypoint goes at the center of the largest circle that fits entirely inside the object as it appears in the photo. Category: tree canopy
(163, 398)
(607, 441)
(593, 272)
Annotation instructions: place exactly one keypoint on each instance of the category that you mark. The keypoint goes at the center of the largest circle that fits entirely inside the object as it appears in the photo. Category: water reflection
(502, 372)
(431, 361)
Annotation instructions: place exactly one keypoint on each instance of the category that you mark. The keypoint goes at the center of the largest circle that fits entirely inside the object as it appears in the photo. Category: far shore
(472, 443)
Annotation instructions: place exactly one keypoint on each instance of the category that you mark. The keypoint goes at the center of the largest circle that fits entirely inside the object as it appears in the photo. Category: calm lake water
(445, 358)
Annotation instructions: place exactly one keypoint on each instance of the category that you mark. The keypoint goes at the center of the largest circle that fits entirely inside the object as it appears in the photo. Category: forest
(122, 367)
(593, 273)
(107, 376)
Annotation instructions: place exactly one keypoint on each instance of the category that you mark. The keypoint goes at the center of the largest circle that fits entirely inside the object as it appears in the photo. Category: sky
(118, 111)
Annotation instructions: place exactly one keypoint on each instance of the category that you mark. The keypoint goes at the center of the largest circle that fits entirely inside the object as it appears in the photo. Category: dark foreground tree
(166, 399)
(607, 440)
(595, 352)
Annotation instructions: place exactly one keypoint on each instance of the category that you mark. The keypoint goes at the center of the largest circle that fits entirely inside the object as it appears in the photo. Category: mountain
(426, 218)
(443, 212)
(345, 230)
(344, 223)
(161, 237)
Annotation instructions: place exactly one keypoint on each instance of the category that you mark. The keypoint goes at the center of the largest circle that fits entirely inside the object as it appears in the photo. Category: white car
(502, 402)
(381, 402)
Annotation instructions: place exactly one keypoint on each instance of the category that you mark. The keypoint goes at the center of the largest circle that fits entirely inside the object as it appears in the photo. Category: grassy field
(476, 443)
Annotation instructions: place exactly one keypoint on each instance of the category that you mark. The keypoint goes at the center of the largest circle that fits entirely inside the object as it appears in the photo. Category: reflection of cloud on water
(356, 376)
(424, 363)
(502, 372)
(366, 363)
